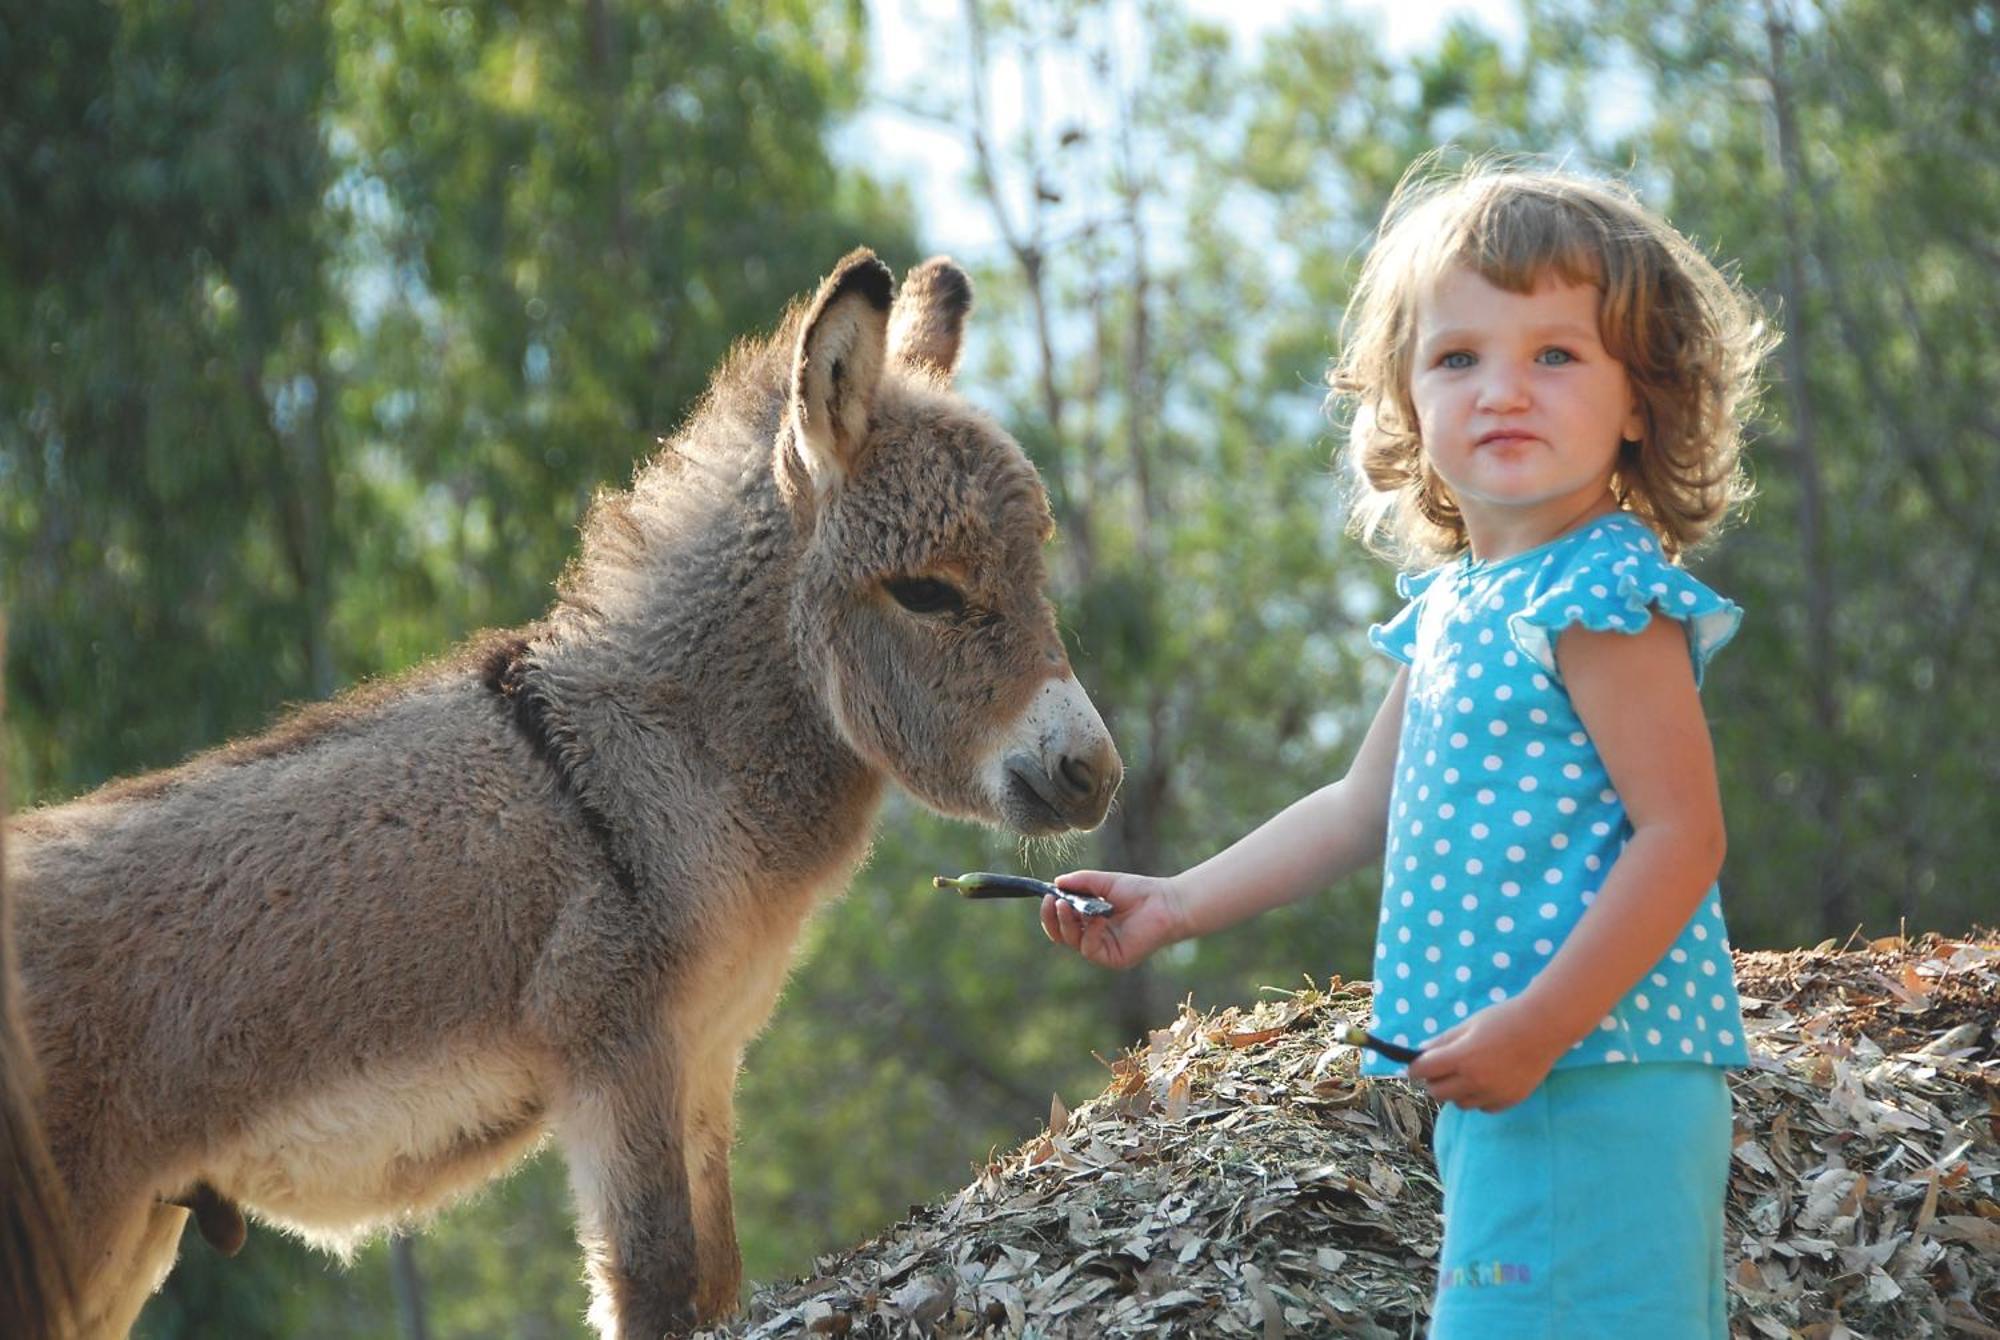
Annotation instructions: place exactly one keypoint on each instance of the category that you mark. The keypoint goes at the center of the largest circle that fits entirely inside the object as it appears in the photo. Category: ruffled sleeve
(1620, 588)
(1397, 636)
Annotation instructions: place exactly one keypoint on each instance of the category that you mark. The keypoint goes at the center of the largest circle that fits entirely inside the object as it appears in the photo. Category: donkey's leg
(123, 1240)
(128, 1256)
(621, 1132)
(711, 1134)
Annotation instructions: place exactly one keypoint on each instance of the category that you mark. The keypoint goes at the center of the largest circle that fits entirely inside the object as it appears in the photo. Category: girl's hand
(1491, 1061)
(1146, 914)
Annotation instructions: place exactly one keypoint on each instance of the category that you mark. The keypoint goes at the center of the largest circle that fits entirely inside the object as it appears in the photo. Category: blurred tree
(321, 323)
(561, 217)
(162, 307)
(1848, 155)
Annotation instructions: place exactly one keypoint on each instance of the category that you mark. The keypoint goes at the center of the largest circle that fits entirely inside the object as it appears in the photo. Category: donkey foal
(552, 884)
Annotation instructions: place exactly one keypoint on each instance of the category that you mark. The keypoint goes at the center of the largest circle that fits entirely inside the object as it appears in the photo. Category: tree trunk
(1826, 780)
(409, 1288)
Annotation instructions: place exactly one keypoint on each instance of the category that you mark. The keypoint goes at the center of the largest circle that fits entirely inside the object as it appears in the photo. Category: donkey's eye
(925, 595)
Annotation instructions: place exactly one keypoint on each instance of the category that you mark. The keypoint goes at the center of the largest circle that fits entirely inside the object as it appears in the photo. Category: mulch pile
(1238, 1177)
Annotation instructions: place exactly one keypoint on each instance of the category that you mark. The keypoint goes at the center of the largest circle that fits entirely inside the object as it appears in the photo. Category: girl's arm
(1315, 841)
(1635, 694)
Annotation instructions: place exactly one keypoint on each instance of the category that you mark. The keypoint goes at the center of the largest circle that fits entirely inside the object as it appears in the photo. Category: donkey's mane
(730, 427)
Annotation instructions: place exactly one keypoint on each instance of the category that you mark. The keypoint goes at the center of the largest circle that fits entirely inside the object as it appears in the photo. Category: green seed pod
(986, 884)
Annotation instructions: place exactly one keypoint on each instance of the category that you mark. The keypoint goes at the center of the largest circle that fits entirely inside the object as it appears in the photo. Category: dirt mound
(1238, 1177)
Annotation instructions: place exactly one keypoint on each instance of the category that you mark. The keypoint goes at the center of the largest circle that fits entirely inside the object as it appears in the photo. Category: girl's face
(1519, 406)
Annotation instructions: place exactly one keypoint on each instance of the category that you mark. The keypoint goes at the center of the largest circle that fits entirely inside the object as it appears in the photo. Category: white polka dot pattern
(1500, 792)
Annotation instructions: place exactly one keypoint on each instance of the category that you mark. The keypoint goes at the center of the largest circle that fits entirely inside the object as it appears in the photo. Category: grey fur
(346, 971)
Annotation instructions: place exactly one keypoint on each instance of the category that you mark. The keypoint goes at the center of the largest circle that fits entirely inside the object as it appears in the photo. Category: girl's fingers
(1094, 883)
(1072, 926)
(1435, 1062)
(1096, 938)
(1450, 1035)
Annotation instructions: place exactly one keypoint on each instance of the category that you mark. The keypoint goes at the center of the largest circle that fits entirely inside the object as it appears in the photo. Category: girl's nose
(1503, 388)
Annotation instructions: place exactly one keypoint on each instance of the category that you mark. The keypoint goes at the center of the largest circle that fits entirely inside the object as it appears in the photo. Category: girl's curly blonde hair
(1689, 337)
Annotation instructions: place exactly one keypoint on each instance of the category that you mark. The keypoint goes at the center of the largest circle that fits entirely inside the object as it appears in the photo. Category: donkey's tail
(37, 1277)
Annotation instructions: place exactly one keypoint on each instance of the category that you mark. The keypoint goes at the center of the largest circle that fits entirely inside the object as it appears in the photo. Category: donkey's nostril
(1079, 775)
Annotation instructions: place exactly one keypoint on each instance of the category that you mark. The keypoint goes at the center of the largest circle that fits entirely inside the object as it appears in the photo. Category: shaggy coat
(344, 972)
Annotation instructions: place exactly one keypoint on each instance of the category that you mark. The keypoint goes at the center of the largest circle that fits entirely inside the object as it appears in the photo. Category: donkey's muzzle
(1057, 768)
(1087, 782)
(1062, 790)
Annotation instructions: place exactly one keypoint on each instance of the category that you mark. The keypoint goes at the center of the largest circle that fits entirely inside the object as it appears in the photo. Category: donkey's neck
(670, 659)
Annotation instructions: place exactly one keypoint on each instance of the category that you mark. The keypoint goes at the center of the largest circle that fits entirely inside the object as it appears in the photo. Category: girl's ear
(1634, 427)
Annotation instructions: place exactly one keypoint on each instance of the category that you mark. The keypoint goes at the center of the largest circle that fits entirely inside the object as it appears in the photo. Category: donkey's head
(918, 604)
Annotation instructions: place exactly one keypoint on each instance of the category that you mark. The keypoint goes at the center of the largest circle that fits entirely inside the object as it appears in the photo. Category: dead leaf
(1261, 1035)
(1268, 1308)
(1983, 1234)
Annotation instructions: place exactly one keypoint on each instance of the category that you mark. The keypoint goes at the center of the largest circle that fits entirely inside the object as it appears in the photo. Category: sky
(934, 159)
(1405, 25)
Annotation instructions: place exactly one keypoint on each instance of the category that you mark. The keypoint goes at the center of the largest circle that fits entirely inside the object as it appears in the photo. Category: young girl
(1547, 383)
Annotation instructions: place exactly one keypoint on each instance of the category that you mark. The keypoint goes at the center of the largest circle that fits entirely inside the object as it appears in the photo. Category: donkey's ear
(929, 319)
(838, 364)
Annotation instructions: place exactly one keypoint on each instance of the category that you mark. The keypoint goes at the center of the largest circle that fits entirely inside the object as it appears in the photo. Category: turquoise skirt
(1591, 1208)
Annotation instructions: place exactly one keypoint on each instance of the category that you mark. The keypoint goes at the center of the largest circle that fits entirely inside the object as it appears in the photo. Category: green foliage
(160, 296)
(1847, 162)
(561, 218)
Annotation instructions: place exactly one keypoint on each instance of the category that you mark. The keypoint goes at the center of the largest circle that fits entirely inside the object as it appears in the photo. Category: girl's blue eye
(1456, 359)
(1555, 358)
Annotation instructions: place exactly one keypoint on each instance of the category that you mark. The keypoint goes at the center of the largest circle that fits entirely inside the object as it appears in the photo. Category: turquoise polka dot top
(1502, 820)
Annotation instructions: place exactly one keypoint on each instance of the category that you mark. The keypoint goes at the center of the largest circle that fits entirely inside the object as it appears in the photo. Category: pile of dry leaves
(1238, 1177)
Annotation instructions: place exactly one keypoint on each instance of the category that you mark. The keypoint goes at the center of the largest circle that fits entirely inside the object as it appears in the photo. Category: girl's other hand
(1146, 914)
(1491, 1061)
